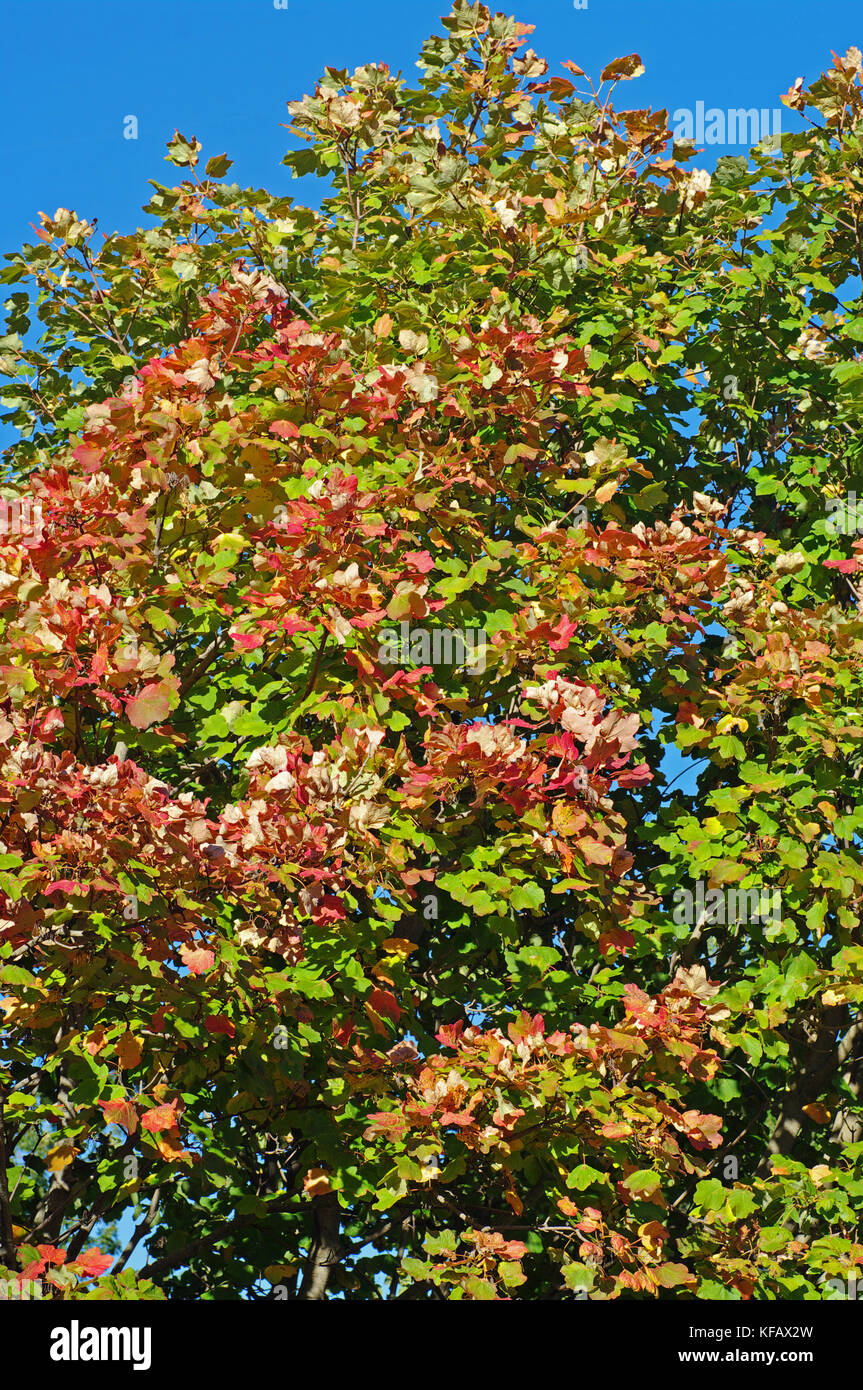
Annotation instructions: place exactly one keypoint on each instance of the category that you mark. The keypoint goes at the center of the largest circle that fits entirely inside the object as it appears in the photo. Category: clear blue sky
(223, 69)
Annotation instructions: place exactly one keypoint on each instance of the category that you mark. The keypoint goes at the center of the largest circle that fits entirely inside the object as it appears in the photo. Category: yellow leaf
(729, 722)
(567, 819)
(277, 1272)
(128, 1050)
(652, 1235)
(61, 1156)
(594, 851)
(607, 491)
(831, 997)
(399, 946)
(819, 1173)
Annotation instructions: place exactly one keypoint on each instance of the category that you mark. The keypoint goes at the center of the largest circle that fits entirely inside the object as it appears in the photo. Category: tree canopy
(373, 572)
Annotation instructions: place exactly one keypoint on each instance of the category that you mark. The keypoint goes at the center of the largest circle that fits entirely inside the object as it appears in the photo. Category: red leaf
(342, 1030)
(65, 885)
(385, 1003)
(247, 641)
(565, 628)
(218, 1023)
(419, 560)
(291, 624)
(93, 1262)
(159, 1118)
(51, 1254)
(197, 961)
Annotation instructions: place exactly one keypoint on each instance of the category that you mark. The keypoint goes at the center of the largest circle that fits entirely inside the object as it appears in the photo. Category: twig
(315, 669)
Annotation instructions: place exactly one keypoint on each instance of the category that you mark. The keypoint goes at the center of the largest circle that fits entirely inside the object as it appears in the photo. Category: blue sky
(223, 69)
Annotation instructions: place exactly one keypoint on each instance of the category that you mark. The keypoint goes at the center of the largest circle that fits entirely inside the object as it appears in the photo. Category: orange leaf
(385, 1003)
(818, 1114)
(159, 1118)
(170, 1146)
(623, 69)
(316, 1183)
(128, 1049)
(514, 1201)
(150, 706)
(607, 491)
(61, 1156)
(93, 1262)
(96, 1041)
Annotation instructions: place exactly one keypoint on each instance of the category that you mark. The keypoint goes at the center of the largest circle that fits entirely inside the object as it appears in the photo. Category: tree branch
(7, 1238)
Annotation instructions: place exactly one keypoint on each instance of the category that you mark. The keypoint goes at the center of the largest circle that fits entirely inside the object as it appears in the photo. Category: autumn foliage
(359, 978)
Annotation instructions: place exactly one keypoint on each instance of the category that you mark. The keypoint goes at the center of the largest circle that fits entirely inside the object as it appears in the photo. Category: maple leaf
(61, 1156)
(623, 69)
(152, 704)
(160, 1117)
(171, 1148)
(51, 1255)
(219, 1023)
(198, 960)
(93, 1263)
(96, 1041)
(385, 1003)
(121, 1112)
(69, 886)
(316, 1183)
(128, 1050)
(594, 851)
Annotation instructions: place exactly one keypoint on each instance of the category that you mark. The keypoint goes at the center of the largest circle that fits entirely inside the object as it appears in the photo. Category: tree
(364, 568)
